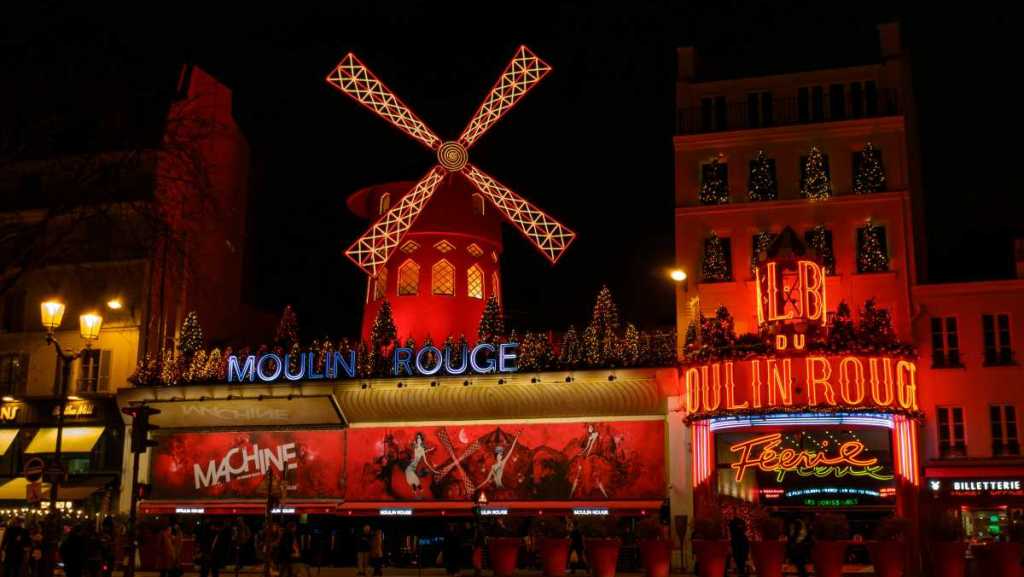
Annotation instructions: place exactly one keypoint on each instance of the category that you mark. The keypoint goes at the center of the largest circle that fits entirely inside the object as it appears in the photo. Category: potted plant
(769, 551)
(888, 550)
(948, 547)
(655, 549)
(1003, 557)
(831, 532)
(553, 546)
(503, 548)
(709, 546)
(602, 545)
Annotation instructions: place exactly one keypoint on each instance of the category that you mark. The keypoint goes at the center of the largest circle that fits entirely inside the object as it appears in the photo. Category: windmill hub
(452, 156)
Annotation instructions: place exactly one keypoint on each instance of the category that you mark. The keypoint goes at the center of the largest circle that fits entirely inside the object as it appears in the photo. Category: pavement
(440, 572)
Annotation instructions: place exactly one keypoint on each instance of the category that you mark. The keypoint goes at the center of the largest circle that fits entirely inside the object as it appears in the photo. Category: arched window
(478, 204)
(408, 278)
(495, 287)
(475, 282)
(380, 284)
(384, 203)
(442, 278)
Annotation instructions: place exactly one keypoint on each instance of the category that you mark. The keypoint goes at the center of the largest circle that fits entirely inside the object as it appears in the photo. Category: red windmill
(455, 241)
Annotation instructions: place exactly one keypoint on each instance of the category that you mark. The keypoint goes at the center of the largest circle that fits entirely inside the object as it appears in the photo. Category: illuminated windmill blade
(546, 233)
(522, 73)
(355, 79)
(371, 251)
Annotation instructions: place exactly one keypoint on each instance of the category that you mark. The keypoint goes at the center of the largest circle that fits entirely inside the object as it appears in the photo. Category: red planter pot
(603, 556)
(504, 555)
(711, 557)
(554, 556)
(948, 558)
(1001, 559)
(827, 557)
(768, 557)
(888, 557)
(656, 556)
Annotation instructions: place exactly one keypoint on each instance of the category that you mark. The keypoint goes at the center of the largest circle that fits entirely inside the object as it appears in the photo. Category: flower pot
(1001, 559)
(827, 557)
(948, 558)
(656, 556)
(768, 557)
(888, 557)
(504, 555)
(554, 556)
(603, 556)
(711, 557)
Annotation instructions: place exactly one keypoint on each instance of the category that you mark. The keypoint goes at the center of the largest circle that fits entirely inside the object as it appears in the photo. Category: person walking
(363, 551)
(73, 552)
(287, 551)
(798, 546)
(215, 548)
(740, 544)
(241, 537)
(14, 543)
(168, 558)
(377, 552)
(452, 550)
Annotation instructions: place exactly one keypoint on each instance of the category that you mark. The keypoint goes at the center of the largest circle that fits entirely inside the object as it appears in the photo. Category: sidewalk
(439, 572)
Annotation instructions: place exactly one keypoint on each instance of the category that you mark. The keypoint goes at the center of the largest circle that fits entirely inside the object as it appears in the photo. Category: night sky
(591, 144)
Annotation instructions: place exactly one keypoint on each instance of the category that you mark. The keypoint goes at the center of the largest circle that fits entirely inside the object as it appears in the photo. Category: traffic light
(141, 427)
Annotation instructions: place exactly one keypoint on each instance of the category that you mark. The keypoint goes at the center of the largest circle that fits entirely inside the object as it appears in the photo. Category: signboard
(9, 412)
(791, 291)
(1007, 487)
(34, 469)
(268, 412)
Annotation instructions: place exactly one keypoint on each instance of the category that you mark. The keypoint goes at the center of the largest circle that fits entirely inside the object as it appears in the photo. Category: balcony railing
(784, 112)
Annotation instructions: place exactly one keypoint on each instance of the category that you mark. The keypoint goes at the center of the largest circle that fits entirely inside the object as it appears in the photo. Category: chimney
(889, 40)
(686, 57)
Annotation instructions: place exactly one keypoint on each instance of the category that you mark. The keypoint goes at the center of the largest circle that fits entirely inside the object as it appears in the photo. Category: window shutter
(103, 382)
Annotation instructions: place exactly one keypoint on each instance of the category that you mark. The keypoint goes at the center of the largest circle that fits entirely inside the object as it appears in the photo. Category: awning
(6, 438)
(73, 440)
(13, 490)
(78, 492)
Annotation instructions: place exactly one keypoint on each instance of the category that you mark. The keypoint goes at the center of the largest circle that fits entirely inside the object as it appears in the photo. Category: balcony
(719, 116)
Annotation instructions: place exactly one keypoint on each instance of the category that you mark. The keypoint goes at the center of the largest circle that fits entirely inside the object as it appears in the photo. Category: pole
(268, 518)
(133, 537)
(62, 401)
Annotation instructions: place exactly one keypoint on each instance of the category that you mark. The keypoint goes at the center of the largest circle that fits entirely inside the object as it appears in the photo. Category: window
(837, 102)
(856, 100)
(380, 284)
(996, 330)
(872, 249)
(817, 104)
(13, 373)
(714, 182)
(384, 203)
(410, 246)
(475, 282)
(14, 311)
(803, 103)
(760, 244)
(93, 371)
(951, 432)
(717, 261)
(819, 239)
(759, 109)
(945, 343)
(495, 287)
(804, 191)
(871, 98)
(713, 113)
(1004, 431)
(442, 278)
(408, 278)
(761, 181)
(478, 204)
(475, 250)
(444, 246)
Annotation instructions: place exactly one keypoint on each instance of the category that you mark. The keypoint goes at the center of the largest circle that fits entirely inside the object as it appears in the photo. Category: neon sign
(763, 454)
(791, 291)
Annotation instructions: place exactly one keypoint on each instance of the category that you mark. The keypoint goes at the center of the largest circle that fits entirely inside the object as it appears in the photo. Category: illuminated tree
(719, 331)
(287, 328)
(602, 346)
(714, 186)
(690, 340)
(715, 267)
(196, 371)
(870, 176)
(761, 183)
(146, 372)
(569, 353)
(294, 358)
(492, 326)
(762, 241)
(592, 356)
(383, 334)
(170, 368)
(214, 365)
(366, 360)
(818, 240)
(190, 337)
(842, 335)
(630, 353)
(875, 331)
(535, 352)
(815, 184)
(871, 254)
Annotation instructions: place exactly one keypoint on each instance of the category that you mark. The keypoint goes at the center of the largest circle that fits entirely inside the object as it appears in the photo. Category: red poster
(234, 465)
(550, 461)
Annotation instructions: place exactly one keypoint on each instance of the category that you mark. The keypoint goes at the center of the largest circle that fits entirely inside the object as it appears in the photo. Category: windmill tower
(434, 248)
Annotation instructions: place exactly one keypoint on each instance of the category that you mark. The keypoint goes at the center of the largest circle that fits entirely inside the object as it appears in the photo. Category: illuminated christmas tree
(146, 372)
(816, 184)
(818, 241)
(714, 186)
(294, 358)
(366, 360)
(842, 335)
(762, 241)
(170, 369)
(287, 329)
(383, 334)
(190, 337)
(196, 371)
(871, 254)
(875, 331)
(630, 353)
(214, 364)
(870, 176)
(716, 266)
(569, 353)
(761, 183)
(591, 353)
(718, 332)
(690, 339)
(492, 326)
(602, 348)
(535, 352)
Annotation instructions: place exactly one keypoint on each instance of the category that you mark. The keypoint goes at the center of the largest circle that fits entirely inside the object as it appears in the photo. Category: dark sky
(591, 144)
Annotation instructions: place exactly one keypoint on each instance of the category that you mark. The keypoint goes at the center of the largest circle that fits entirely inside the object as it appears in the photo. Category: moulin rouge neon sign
(763, 453)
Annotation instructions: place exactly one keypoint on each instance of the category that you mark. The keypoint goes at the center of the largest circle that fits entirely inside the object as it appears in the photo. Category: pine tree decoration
(410, 343)
(875, 331)
(818, 241)
(513, 337)
(762, 241)
(170, 371)
(197, 367)
(871, 255)
(383, 333)
(366, 360)
(630, 354)
(870, 175)
(842, 336)
(569, 353)
(492, 327)
(294, 358)
(326, 350)
(145, 372)
(535, 352)
(816, 184)
(714, 186)
(604, 326)
(761, 183)
(690, 340)
(715, 267)
(190, 338)
(719, 331)
(287, 329)
(212, 372)
(592, 352)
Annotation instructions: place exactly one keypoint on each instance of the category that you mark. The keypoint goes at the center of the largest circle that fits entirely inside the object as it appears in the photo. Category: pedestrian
(798, 546)
(73, 552)
(214, 547)
(452, 551)
(14, 543)
(241, 540)
(363, 551)
(168, 558)
(740, 544)
(576, 559)
(286, 551)
(377, 552)
(37, 566)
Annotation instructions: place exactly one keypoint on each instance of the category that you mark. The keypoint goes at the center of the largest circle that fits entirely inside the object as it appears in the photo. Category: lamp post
(52, 312)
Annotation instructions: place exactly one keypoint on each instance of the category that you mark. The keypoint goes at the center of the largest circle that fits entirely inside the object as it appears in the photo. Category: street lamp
(678, 276)
(89, 324)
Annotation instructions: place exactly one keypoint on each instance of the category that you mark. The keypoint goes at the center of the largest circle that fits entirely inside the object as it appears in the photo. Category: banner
(541, 461)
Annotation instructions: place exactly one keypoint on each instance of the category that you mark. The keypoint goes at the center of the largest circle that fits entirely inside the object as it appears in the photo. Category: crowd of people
(36, 548)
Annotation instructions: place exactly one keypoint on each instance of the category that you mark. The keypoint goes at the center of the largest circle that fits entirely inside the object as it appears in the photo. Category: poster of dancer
(551, 461)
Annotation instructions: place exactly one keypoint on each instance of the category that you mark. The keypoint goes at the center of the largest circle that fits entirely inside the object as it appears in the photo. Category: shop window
(495, 287)
(408, 278)
(717, 260)
(93, 371)
(380, 284)
(819, 239)
(384, 203)
(442, 278)
(475, 282)
(945, 343)
(13, 373)
(1004, 431)
(996, 331)
(951, 432)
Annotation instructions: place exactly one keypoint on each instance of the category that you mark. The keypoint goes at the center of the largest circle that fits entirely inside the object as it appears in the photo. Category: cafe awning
(6, 438)
(73, 440)
(13, 490)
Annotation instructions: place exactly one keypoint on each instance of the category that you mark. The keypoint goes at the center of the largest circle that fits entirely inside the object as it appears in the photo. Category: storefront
(986, 499)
